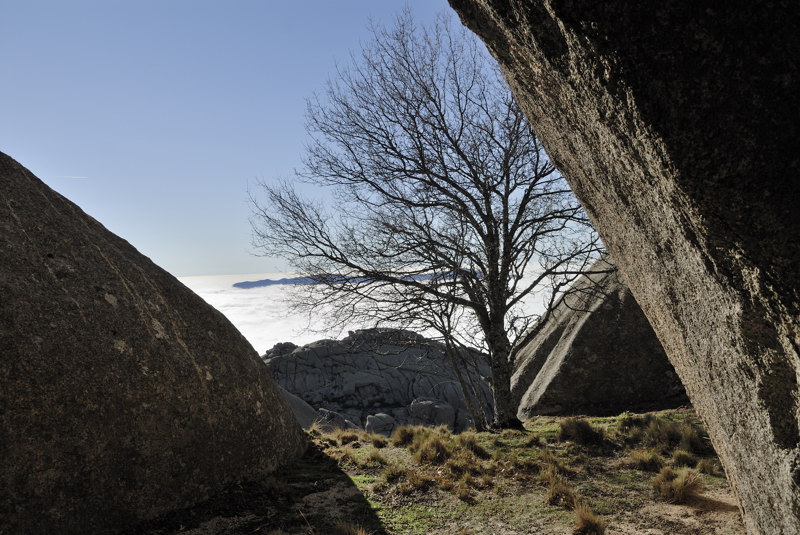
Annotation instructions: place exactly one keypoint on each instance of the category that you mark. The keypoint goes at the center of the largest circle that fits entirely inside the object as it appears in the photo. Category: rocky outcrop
(677, 125)
(379, 378)
(595, 353)
(122, 394)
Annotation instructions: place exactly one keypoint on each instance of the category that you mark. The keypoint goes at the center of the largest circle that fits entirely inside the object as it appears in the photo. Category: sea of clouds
(261, 313)
(260, 308)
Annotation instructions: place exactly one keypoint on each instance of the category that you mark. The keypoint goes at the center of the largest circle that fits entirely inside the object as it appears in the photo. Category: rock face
(122, 394)
(677, 126)
(595, 354)
(378, 378)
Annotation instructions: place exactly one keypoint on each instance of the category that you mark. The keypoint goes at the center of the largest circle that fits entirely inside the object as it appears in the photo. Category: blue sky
(154, 116)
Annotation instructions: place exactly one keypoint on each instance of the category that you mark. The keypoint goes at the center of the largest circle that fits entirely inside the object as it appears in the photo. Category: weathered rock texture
(595, 354)
(122, 394)
(379, 378)
(677, 125)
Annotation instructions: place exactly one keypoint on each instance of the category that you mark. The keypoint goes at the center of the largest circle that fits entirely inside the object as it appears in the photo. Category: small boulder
(381, 423)
(431, 412)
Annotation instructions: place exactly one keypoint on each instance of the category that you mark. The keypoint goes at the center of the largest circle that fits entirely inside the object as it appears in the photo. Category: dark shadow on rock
(312, 495)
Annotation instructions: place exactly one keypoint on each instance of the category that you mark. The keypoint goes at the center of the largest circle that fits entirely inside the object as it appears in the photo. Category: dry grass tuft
(404, 435)
(708, 466)
(580, 431)
(375, 458)
(346, 528)
(677, 486)
(346, 436)
(586, 522)
(469, 441)
(535, 441)
(560, 494)
(464, 462)
(646, 460)
(393, 473)
(414, 481)
(430, 449)
(683, 458)
(379, 441)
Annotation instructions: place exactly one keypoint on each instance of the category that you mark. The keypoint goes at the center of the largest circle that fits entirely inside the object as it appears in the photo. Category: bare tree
(446, 212)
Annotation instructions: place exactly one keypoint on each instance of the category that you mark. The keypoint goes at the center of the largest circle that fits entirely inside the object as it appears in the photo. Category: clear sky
(154, 116)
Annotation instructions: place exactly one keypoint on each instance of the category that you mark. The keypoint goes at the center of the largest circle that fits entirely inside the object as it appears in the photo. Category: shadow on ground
(311, 497)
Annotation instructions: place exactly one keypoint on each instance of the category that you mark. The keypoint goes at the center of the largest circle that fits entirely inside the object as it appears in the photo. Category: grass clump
(678, 486)
(586, 522)
(464, 462)
(346, 455)
(413, 482)
(683, 458)
(560, 494)
(580, 431)
(379, 441)
(469, 441)
(404, 435)
(393, 473)
(374, 458)
(708, 467)
(346, 528)
(430, 449)
(346, 436)
(646, 460)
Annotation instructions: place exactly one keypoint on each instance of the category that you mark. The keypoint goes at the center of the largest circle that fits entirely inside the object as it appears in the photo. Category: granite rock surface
(677, 124)
(123, 395)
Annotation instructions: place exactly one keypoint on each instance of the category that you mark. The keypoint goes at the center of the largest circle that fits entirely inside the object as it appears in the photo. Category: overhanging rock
(677, 124)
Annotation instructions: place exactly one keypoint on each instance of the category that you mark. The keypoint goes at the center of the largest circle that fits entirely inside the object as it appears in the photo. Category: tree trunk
(505, 410)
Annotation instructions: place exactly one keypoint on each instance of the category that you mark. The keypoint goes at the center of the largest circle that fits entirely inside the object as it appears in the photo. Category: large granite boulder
(373, 374)
(678, 124)
(123, 395)
(595, 353)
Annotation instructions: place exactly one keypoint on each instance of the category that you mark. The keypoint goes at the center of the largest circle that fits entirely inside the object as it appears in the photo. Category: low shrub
(580, 431)
(678, 486)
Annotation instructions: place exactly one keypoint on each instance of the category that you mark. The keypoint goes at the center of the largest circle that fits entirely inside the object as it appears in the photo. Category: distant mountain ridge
(334, 277)
(328, 277)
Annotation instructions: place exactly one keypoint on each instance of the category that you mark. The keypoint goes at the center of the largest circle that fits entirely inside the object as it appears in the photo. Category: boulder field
(123, 395)
(677, 124)
(379, 379)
